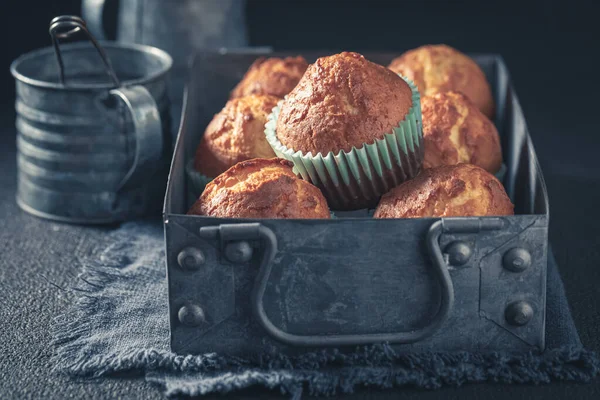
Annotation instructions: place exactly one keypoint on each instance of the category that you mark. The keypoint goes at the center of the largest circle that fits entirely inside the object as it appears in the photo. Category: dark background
(551, 49)
(550, 46)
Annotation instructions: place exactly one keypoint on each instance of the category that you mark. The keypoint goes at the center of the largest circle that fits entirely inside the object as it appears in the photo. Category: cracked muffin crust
(261, 188)
(447, 191)
(440, 68)
(235, 134)
(273, 76)
(455, 131)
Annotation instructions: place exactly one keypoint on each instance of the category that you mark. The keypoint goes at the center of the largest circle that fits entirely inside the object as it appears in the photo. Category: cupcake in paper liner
(352, 128)
(235, 134)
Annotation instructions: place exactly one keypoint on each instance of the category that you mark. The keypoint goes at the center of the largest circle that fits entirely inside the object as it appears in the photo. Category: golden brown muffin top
(261, 188)
(439, 68)
(447, 191)
(342, 101)
(235, 134)
(274, 76)
(455, 131)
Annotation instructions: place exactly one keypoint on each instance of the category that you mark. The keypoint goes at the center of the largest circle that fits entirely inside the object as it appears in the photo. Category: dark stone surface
(38, 263)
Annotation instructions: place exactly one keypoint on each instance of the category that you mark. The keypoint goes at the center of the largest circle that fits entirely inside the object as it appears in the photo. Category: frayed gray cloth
(120, 323)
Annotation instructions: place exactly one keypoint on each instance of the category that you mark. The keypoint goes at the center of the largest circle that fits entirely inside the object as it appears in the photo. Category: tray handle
(257, 231)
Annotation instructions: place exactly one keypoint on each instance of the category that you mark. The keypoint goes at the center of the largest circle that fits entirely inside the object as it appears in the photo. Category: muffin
(461, 190)
(351, 127)
(273, 76)
(455, 131)
(261, 188)
(440, 68)
(235, 134)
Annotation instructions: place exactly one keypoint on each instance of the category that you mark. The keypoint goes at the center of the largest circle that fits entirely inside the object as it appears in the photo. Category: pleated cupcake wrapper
(357, 179)
(196, 181)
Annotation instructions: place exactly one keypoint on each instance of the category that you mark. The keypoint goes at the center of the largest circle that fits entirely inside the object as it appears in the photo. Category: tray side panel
(326, 282)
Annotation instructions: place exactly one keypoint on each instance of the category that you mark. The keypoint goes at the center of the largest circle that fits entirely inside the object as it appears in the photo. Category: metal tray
(241, 286)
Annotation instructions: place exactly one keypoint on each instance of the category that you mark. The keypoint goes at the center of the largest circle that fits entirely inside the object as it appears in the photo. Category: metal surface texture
(519, 313)
(458, 253)
(190, 258)
(349, 281)
(93, 123)
(517, 259)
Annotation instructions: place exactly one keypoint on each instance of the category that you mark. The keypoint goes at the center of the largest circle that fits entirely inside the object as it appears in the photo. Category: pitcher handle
(147, 130)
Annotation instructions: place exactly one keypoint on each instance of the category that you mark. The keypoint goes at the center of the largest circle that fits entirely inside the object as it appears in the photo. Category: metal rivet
(518, 313)
(238, 252)
(190, 258)
(459, 253)
(516, 259)
(191, 315)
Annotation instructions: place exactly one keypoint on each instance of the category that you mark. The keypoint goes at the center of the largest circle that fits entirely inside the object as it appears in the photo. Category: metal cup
(93, 134)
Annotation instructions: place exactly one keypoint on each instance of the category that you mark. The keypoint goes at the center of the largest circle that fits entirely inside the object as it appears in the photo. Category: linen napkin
(119, 322)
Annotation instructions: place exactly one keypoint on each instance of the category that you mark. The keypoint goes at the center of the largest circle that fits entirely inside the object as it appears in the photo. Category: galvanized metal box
(242, 286)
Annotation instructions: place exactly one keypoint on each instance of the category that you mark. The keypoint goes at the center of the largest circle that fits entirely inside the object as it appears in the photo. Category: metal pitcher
(93, 140)
(177, 26)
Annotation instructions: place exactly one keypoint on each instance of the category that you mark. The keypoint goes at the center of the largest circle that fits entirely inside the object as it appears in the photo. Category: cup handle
(147, 129)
